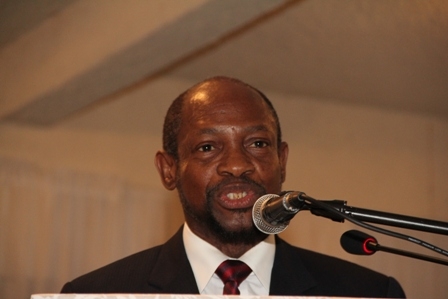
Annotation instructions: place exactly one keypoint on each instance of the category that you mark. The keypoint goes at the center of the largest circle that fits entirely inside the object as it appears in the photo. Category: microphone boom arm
(391, 219)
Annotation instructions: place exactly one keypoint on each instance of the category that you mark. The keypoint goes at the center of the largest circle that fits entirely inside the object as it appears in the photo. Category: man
(222, 150)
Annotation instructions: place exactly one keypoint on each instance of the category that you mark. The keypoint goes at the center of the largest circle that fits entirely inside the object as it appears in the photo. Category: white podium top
(155, 296)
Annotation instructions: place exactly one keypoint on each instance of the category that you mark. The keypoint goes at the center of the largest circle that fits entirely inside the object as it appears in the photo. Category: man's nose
(236, 162)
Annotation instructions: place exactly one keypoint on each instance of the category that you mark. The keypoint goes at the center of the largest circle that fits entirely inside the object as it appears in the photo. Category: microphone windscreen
(356, 242)
(257, 216)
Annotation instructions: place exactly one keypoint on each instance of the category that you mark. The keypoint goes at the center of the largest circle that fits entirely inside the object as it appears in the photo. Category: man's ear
(167, 167)
(283, 158)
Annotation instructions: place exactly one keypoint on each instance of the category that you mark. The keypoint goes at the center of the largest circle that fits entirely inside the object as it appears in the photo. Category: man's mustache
(260, 189)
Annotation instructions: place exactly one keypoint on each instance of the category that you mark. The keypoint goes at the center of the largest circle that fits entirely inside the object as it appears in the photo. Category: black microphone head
(356, 242)
(258, 218)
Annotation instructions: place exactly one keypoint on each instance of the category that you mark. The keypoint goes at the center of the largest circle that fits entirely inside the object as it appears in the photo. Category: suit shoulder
(129, 271)
(336, 276)
(311, 259)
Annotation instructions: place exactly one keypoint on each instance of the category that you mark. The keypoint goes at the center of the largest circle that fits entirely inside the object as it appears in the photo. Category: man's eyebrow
(208, 131)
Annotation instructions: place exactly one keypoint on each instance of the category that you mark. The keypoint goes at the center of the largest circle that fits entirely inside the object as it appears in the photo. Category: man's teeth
(236, 195)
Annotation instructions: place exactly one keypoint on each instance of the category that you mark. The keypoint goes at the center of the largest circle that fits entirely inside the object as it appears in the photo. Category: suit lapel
(172, 272)
(289, 275)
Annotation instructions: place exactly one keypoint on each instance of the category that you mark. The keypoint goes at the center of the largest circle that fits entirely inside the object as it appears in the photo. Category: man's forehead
(218, 129)
(221, 93)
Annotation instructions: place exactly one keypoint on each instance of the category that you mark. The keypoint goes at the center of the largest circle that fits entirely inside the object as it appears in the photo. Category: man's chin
(237, 235)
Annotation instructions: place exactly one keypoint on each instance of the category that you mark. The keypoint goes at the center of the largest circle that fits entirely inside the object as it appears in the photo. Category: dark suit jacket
(165, 269)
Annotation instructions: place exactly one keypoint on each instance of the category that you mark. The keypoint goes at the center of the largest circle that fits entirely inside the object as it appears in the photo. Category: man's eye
(259, 144)
(206, 148)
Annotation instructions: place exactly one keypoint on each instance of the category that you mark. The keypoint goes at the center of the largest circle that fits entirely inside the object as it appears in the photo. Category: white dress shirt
(205, 258)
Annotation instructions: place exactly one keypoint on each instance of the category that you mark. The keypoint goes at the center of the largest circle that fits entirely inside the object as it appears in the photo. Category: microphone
(271, 213)
(356, 242)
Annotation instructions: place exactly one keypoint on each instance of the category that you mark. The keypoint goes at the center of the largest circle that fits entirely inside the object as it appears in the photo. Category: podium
(174, 296)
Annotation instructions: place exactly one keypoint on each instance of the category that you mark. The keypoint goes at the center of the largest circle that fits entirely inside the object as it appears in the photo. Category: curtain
(58, 224)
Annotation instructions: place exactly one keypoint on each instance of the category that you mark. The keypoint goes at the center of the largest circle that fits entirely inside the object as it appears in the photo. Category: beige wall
(75, 199)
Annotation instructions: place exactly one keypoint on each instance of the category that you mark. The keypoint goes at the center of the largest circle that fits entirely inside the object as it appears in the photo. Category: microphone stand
(397, 220)
(377, 247)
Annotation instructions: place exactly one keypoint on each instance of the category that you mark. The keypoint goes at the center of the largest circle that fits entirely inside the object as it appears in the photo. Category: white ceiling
(386, 53)
(383, 53)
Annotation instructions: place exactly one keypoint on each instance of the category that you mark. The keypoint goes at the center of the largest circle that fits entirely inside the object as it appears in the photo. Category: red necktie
(232, 273)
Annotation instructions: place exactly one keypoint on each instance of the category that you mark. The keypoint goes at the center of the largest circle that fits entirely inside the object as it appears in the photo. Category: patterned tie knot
(232, 273)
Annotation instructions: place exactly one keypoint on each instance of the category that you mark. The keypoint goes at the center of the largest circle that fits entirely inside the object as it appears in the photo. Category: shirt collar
(205, 258)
